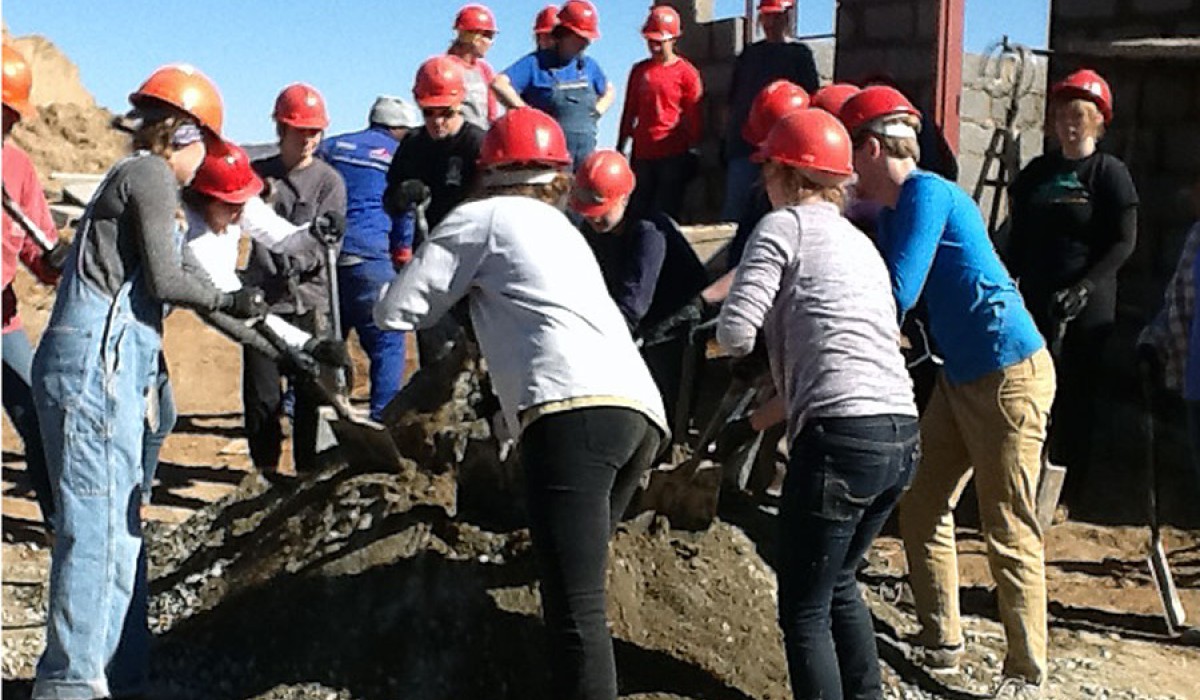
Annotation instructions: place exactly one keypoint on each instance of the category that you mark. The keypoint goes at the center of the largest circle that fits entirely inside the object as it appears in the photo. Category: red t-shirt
(662, 108)
(21, 182)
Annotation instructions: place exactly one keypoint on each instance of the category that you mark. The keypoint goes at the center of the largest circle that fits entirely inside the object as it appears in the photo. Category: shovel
(369, 443)
(1157, 555)
(31, 229)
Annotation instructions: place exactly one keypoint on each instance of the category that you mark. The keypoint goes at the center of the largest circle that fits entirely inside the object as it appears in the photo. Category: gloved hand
(401, 257)
(329, 227)
(247, 302)
(58, 256)
(749, 368)
(328, 351)
(695, 311)
(1068, 303)
(414, 192)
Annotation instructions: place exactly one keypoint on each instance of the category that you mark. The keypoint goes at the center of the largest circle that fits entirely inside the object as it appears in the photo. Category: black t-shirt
(1069, 221)
(759, 65)
(447, 167)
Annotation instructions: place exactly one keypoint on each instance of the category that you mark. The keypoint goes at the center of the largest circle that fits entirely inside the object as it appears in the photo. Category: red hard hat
(18, 82)
(580, 17)
(186, 89)
(774, 7)
(600, 183)
(663, 24)
(812, 140)
(524, 136)
(546, 20)
(832, 97)
(872, 103)
(440, 83)
(475, 18)
(1086, 85)
(301, 106)
(226, 175)
(770, 105)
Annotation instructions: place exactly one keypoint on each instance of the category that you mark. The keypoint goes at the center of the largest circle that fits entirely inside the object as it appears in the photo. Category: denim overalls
(96, 362)
(574, 103)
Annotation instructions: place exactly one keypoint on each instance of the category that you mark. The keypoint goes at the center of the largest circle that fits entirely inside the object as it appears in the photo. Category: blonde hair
(553, 193)
(800, 185)
(894, 146)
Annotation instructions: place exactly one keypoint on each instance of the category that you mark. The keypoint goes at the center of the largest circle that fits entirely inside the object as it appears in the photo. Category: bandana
(524, 176)
(893, 128)
(185, 135)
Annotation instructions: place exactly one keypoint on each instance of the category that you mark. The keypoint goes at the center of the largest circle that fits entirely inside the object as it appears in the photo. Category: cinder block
(1083, 9)
(885, 22)
(975, 105)
(703, 10)
(726, 37)
(973, 138)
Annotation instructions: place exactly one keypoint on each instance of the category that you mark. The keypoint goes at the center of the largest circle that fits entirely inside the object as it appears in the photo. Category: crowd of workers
(567, 264)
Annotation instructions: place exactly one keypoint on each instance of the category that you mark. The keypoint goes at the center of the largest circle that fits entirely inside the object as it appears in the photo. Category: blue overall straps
(96, 363)
(574, 101)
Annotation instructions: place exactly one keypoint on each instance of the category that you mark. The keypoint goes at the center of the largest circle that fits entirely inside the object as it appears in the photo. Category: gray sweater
(818, 289)
(133, 225)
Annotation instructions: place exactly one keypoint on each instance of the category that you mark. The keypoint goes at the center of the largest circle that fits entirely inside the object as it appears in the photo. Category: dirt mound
(71, 133)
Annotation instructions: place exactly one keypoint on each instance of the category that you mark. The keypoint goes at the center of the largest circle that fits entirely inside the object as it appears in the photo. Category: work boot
(1013, 688)
(941, 659)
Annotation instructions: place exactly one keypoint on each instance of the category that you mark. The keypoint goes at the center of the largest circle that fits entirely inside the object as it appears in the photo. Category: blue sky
(353, 50)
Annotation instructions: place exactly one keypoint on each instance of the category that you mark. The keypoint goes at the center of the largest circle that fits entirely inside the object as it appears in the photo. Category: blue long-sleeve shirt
(362, 159)
(935, 244)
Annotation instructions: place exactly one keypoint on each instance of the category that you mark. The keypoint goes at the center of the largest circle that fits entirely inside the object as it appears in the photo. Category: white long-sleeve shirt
(546, 325)
(218, 252)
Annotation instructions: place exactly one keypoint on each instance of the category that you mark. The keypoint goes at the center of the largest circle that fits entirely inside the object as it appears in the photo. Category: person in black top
(776, 57)
(434, 169)
(1074, 224)
(649, 267)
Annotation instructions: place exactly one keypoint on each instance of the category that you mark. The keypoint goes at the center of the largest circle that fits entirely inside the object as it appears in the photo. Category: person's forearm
(770, 414)
(1121, 249)
(716, 292)
(606, 100)
(503, 89)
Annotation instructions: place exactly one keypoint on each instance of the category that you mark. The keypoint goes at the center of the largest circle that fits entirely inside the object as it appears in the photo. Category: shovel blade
(1160, 571)
(687, 495)
(366, 443)
(1050, 487)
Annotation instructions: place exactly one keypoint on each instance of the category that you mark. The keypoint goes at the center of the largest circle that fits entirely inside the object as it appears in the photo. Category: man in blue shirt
(562, 81)
(375, 243)
(989, 410)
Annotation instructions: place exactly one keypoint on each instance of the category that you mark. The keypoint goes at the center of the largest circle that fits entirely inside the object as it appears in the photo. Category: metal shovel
(1157, 555)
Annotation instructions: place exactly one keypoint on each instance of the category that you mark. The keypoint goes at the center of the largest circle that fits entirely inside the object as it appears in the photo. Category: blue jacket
(936, 244)
(362, 159)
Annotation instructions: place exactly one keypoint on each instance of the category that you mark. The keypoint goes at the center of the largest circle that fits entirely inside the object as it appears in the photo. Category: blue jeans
(18, 404)
(157, 434)
(359, 286)
(844, 477)
(740, 176)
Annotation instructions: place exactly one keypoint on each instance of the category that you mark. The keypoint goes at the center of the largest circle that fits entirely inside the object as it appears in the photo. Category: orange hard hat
(475, 18)
(770, 105)
(546, 20)
(874, 103)
(832, 97)
(600, 183)
(301, 105)
(225, 174)
(663, 24)
(184, 87)
(18, 82)
(1081, 85)
(440, 83)
(774, 7)
(812, 140)
(524, 136)
(580, 17)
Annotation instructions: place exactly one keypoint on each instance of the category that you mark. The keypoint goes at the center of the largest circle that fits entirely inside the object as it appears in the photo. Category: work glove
(749, 368)
(58, 256)
(401, 257)
(328, 351)
(329, 227)
(1068, 303)
(247, 302)
(413, 193)
(688, 316)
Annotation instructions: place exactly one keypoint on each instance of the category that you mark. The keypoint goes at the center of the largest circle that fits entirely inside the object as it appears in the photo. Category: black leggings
(582, 467)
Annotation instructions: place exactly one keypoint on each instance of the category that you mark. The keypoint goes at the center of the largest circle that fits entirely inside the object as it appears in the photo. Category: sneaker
(1013, 688)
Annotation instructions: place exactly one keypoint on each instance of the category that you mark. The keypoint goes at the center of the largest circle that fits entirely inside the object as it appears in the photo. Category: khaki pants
(996, 427)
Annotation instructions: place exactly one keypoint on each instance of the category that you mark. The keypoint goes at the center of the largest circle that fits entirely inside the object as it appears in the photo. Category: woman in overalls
(92, 373)
(562, 81)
